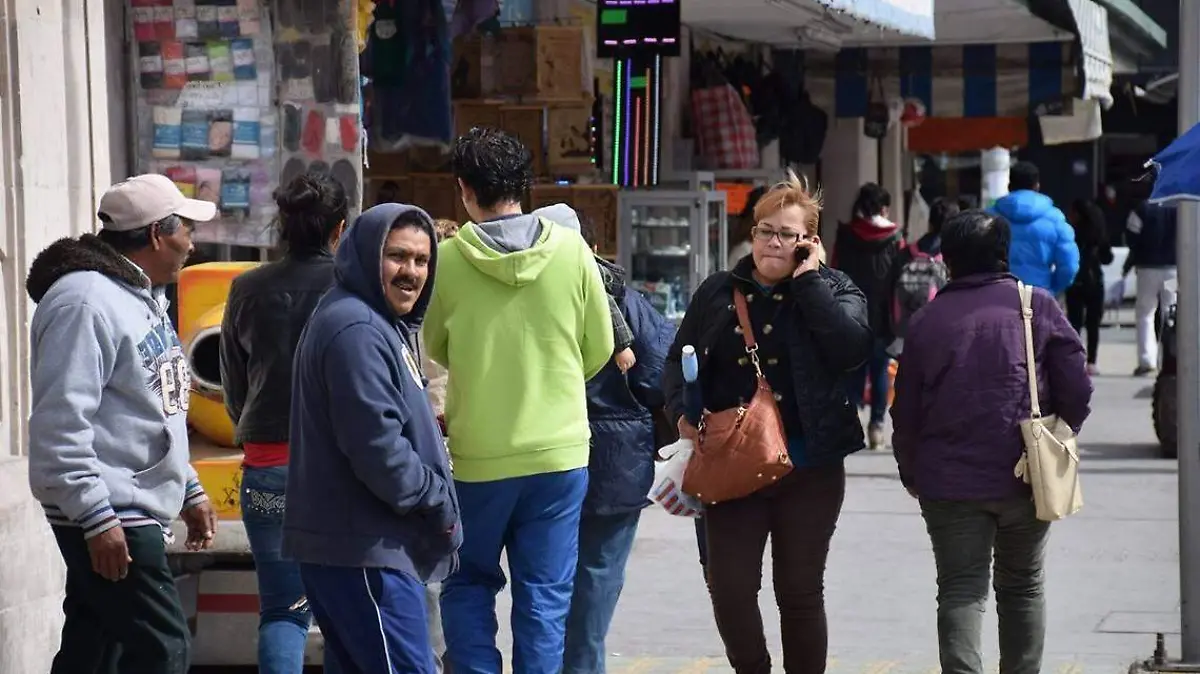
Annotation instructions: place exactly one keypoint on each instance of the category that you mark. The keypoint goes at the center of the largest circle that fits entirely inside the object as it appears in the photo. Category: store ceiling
(778, 22)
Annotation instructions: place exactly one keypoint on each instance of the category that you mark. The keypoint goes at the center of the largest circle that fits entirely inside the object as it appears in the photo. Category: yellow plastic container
(203, 291)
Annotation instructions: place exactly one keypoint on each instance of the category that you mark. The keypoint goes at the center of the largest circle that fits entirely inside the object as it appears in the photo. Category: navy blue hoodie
(369, 480)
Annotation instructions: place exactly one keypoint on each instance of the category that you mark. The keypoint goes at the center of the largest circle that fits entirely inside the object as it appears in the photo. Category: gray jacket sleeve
(72, 359)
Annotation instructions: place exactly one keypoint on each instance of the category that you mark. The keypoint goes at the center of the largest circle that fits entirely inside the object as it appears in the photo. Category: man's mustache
(405, 282)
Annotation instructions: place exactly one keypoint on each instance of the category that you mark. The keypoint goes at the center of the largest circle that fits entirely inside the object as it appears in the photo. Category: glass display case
(670, 240)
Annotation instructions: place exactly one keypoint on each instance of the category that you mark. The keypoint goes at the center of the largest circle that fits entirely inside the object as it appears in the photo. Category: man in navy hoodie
(371, 515)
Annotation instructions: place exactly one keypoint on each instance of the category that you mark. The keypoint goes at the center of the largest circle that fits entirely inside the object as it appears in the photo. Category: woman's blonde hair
(792, 191)
(445, 229)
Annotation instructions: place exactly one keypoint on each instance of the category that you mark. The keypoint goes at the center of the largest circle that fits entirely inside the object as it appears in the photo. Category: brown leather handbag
(743, 449)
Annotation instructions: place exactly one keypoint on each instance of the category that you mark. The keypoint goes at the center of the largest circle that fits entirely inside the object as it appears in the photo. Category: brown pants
(799, 514)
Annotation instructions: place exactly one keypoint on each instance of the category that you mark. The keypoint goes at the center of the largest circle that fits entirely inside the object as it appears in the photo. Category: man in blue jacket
(1043, 251)
(371, 513)
(620, 472)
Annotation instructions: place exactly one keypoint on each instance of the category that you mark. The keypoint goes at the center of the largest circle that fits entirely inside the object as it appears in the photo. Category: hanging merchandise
(319, 91)
(408, 62)
(205, 116)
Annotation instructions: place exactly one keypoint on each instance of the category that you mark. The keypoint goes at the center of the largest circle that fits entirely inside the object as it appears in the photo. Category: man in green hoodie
(520, 318)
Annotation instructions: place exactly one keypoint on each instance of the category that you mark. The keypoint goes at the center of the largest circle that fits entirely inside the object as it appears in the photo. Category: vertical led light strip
(657, 102)
(637, 134)
(626, 127)
(616, 126)
(647, 162)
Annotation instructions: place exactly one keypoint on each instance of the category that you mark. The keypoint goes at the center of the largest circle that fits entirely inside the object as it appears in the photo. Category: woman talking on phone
(809, 326)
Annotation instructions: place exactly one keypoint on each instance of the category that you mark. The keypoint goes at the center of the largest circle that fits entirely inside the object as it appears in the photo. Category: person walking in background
(520, 319)
(866, 250)
(371, 513)
(956, 441)
(811, 329)
(265, 313)
(919, 273)
(1150, 231)
(620, 472)
(1085, 297)
(108, 441)
(1043, 252)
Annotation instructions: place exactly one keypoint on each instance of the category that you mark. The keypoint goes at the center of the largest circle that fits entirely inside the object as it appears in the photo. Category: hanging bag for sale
(723, 127)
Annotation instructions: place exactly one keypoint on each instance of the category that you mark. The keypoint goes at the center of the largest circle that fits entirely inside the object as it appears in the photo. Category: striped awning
(991, 80)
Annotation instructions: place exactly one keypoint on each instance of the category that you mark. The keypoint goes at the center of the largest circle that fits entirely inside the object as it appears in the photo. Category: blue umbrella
(1177, 170)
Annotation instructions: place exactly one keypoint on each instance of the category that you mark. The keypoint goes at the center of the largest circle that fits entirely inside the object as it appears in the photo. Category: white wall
(54, 158)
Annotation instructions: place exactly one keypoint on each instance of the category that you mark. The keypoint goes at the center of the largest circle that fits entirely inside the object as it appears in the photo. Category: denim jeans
(965, 536)
(604, 545)
(282, 631)
(876, 368)
(534, 520)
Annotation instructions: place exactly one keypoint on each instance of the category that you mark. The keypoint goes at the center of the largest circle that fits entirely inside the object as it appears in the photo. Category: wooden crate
(569, 138)
(467, 67)
(547, 194)
(527, 123)
(598, 203)
(469, 114)
(542, 61)
(386, 188)
(437, 193)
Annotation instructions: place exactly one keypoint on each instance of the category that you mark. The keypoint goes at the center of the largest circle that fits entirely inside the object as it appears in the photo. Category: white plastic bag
(667, 489)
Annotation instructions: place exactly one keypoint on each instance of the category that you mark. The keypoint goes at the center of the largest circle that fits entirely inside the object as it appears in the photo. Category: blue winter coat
(621, 463)
(1043, 251)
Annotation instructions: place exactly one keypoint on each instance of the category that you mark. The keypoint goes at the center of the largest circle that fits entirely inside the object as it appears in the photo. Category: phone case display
(669, 242)
(204, 95)
(319, 113)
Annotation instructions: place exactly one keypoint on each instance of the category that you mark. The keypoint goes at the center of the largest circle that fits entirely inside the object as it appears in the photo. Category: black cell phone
(802, 253)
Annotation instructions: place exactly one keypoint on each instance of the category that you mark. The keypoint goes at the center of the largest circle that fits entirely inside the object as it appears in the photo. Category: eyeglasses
(787, 238)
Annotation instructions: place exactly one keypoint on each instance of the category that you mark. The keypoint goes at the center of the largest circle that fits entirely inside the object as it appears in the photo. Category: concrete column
(54, 137)
(848, 160)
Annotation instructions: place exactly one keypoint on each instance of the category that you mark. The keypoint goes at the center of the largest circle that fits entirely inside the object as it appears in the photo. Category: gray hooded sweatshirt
(108, 441)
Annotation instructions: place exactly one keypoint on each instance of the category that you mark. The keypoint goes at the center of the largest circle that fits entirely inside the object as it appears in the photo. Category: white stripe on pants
(1155, 287)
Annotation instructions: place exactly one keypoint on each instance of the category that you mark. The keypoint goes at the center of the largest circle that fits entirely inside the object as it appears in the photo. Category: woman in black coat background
(1085, 297)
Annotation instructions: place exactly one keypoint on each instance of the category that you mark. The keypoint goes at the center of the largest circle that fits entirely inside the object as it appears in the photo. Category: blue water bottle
(693, 405)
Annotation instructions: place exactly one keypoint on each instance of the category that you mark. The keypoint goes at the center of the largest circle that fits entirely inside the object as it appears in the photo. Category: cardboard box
(598, 203)
(437, 193)
(467, 67)
(378, 189)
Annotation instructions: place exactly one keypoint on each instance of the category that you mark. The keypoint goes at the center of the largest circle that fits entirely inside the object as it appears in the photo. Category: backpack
(918, 281)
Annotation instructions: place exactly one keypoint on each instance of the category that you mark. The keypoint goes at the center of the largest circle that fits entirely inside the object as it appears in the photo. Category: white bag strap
(1027, 318)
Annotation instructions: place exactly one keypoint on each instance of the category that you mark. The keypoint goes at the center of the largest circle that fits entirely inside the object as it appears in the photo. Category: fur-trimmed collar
(87, 253)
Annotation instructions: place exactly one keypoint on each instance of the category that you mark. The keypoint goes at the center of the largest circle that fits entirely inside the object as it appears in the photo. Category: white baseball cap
(142, 200)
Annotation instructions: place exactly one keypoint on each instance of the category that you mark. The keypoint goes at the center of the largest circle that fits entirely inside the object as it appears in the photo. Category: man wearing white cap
(108, 446)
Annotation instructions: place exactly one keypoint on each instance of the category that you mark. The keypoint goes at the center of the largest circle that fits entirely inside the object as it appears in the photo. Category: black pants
(798, 514)
(133, 625)
(1085, 308)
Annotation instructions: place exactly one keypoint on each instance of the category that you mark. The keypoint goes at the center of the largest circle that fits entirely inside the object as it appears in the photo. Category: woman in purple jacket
(961, 392)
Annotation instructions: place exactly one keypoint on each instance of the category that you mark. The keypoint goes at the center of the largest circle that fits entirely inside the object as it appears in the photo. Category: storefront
(230, 100)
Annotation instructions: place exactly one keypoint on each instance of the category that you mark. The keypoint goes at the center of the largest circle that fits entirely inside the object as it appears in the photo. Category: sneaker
(1144, 370)
(875, 436)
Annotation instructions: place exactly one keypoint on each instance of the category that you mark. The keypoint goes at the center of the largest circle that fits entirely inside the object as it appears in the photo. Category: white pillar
(848, 160)
(994, 165)
(892, 169)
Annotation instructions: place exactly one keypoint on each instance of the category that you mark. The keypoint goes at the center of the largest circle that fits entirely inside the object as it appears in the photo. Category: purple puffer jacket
(961, 388)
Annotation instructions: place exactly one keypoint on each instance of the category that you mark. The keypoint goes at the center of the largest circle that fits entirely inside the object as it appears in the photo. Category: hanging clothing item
(408, 61)
(470, 13)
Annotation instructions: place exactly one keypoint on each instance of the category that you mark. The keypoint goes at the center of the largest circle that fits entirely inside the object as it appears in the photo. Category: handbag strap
(1031, 360)
(743, 316)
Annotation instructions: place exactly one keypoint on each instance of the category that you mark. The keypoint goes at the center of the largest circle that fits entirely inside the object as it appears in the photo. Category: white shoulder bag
(1050, 464)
